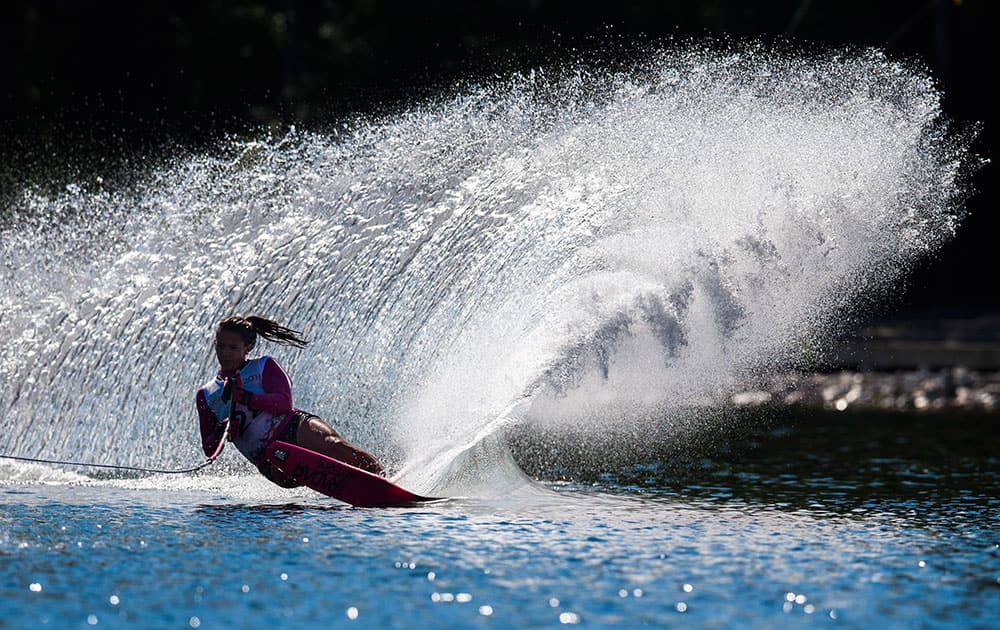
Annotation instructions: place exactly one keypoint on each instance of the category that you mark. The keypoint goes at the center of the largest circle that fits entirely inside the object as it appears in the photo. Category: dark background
(113, 87)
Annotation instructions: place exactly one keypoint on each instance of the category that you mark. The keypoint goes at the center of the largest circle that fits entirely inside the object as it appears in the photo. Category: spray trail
(576, 249)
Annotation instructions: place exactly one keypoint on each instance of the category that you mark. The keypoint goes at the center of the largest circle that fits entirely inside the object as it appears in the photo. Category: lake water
(537, 296)
(848, 520)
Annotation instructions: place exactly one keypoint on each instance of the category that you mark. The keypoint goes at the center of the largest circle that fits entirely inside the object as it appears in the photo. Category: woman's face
(230, 350)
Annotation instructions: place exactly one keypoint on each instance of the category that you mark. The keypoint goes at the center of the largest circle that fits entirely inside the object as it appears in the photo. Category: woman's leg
(316, 435)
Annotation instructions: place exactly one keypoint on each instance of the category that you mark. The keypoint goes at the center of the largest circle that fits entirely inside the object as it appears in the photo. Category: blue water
(898, 533)
(536, 297)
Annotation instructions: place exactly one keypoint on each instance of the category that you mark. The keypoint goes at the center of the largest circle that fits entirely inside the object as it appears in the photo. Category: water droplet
(921, 564)
(245, 588)
(553, 602)
(569, 617)
(92, 620)
(194, 622)
(800, 599)
(114, 600)
(681, 607)
(833, 614)
(352, 613)
(35, 587)
(809, 609)
(687, 588)
(623, 593)
(431, 575)
(284, 577)
(463, 598)
(637, 592)
(485, 611)
(789, 597)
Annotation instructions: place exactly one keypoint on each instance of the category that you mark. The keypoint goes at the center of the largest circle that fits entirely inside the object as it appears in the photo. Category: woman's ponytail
(250, 327)
(273, 331)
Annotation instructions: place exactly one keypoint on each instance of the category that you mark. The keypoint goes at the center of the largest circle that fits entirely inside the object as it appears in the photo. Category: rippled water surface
(852, 520)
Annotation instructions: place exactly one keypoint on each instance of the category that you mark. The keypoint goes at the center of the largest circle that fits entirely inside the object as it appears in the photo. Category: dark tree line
(259, 61)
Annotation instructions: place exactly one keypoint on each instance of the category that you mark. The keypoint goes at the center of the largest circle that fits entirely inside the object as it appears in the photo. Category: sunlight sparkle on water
(569, 618)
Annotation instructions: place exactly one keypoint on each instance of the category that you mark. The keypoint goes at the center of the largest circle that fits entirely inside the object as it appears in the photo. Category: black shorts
(290, 432)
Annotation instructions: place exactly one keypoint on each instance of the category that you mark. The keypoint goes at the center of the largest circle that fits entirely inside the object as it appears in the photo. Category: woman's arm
(212, 429)
(278, 388)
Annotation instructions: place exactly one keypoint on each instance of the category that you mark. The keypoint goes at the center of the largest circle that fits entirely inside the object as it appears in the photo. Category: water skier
(255, 395)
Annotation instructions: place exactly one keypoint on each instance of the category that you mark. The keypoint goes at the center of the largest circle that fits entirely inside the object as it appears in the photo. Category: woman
(255, 395)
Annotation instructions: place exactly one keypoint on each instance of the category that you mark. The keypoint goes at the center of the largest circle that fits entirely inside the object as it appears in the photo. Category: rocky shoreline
(922, 363)
(918, 390)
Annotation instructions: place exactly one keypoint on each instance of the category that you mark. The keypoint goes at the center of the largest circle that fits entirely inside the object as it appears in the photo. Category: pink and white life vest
(251, 430)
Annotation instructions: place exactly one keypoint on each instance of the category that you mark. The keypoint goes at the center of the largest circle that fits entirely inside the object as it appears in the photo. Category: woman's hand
(240, 395)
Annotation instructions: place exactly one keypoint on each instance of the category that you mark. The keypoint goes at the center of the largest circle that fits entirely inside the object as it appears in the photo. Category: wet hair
(250, 327)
